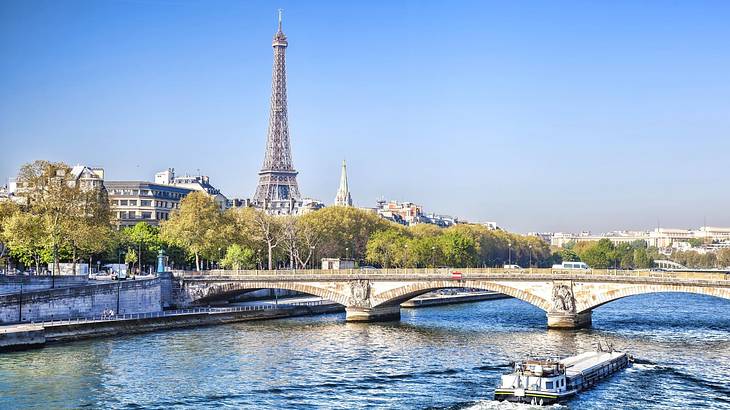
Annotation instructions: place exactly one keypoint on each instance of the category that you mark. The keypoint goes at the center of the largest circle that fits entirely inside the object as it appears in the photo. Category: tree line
(59, 220)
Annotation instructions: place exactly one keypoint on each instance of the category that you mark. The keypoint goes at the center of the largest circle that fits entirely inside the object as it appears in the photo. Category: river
(440, 357)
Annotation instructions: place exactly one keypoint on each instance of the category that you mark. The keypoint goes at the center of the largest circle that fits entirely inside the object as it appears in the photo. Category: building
(193, 183)
(139, 201)
(662, 238)
(343, 197)
(277, 192)
(79, 176)
(337, 263)
(310, 205)
(406, 213)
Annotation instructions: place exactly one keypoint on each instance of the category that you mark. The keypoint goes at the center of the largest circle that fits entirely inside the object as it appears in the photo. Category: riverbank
(29, 336)
(462, 297)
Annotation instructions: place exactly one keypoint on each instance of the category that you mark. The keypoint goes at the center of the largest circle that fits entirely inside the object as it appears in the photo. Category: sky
(539, 115)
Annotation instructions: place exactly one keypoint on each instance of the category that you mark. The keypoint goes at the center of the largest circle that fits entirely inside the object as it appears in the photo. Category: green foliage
(568, 255)
(341, 227)
(696, 242)
(25, 235)
(388, 248)
(599, 255)
(195, 226)
(693, 259)
(238, 257)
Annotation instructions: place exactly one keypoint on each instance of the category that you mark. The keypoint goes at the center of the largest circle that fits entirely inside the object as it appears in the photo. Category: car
(512, 267)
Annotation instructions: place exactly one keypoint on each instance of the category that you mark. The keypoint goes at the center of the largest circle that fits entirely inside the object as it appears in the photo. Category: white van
(572, 265)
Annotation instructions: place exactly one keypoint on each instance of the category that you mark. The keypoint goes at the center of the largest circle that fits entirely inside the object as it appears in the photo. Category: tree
(568, 255)
(25, 235)
(7, 210)
(89, 229)
(270, 231)
(641, 259)
(599, 254)
(387, 248)
(339, 227)
(146, 239)
(238, 258)
(723, 258)
(458, 248)
(195, 226)
(50, 192)
(131, 258)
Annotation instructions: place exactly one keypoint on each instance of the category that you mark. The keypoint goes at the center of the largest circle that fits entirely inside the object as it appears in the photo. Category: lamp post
(509, 247)
(530, 256)
(347, 252)
(314, 259)
(220, 256)
(433, 257)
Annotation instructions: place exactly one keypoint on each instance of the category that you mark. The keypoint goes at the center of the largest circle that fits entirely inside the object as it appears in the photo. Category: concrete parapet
(136, 296)
(561, 320)
(376, 314)
(22, 337)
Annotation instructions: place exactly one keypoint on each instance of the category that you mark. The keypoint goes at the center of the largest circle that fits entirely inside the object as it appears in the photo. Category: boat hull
(531, 397)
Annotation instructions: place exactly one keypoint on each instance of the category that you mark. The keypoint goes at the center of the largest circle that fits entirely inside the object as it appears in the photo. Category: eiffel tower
(277, 178)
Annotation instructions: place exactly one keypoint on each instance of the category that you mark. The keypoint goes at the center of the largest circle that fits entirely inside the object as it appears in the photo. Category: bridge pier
(376, 314)
(566, 320)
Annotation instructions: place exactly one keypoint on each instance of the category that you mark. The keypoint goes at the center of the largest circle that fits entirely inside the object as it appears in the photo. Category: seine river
(442, 357)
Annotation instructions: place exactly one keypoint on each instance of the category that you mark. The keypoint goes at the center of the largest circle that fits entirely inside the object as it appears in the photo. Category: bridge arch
(401, 294)
(209, 291)
(612, 295)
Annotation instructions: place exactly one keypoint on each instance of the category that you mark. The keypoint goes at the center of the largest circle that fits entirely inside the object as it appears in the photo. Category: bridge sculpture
(567, 297)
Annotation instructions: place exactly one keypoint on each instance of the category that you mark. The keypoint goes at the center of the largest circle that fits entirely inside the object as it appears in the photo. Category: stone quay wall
(29, 283)
(123, 297)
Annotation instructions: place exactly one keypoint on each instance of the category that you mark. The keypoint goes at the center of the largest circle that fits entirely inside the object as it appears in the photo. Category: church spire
(343, 197)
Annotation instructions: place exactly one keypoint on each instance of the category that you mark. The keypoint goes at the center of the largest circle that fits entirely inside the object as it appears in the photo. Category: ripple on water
(437, 358)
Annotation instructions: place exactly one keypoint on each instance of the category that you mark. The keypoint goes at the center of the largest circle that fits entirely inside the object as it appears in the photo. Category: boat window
(548, 385)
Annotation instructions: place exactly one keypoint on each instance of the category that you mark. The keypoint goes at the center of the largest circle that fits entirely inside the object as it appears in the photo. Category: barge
(545, 381)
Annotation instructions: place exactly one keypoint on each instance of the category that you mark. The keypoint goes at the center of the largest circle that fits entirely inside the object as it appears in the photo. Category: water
(442, 357)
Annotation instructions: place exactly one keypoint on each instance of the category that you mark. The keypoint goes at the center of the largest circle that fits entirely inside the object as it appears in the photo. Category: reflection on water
(441, 357)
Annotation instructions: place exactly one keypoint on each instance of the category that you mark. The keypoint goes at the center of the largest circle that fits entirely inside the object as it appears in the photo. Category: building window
(132, 202)
(145, 202)
(132, 214)
(123, 202)
(146, 215)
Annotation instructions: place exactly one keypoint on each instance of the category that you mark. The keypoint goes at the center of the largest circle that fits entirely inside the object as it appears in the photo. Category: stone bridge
(567, 297)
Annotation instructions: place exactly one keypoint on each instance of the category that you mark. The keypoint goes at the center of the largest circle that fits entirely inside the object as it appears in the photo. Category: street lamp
(314, 260)
(509, 247)
(347, 252)
(530, 256)
(433, 257)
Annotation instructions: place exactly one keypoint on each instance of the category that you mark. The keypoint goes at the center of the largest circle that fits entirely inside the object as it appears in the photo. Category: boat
(550, 381)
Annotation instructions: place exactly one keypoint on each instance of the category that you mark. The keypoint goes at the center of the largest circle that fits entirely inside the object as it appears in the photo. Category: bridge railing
(454, 273)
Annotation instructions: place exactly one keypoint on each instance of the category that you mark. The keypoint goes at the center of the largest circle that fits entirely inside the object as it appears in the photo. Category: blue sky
(550, 115)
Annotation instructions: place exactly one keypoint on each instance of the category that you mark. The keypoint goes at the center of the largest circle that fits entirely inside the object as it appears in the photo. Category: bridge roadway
(567, 296)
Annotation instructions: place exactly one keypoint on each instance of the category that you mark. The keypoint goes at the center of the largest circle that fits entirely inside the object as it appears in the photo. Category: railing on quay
(451, 272)
(177, 312)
